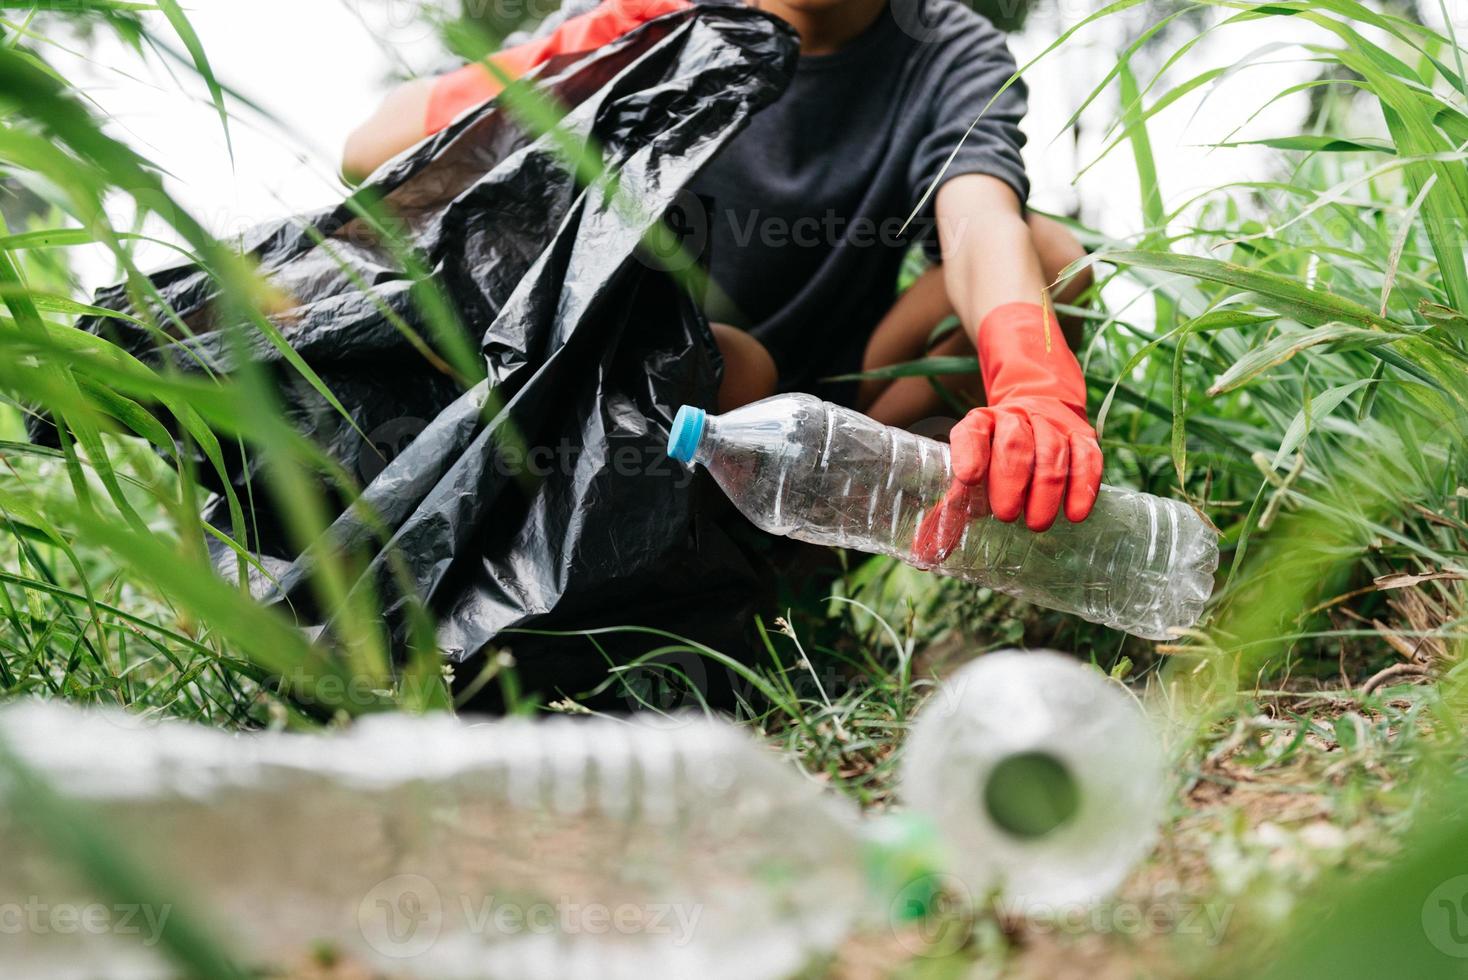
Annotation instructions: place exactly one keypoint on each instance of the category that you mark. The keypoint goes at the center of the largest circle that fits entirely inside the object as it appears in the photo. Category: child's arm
(988, 258)
(424, 106)
(396, 125)
(1032, 442)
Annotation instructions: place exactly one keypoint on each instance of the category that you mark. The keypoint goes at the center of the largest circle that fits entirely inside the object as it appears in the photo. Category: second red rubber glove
(1032, 446)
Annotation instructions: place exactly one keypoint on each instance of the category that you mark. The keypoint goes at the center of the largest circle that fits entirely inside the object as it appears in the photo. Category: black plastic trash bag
(588, 348)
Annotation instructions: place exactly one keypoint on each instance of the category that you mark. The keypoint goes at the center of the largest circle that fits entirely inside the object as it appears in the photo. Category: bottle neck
(703, 449)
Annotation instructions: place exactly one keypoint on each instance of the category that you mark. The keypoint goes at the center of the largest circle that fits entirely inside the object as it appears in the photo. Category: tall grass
(1304, 375)
(108, 590)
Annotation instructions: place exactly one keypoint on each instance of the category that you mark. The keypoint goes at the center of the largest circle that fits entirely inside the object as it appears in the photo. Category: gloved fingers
(1085, 476)
(1011, 463)
(926, 544)
(1047, 485)
(969, 444)
(954, 512)
(943, 527)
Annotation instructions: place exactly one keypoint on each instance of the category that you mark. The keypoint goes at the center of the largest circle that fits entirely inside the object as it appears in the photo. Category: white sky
(321, 68)
(316, 65)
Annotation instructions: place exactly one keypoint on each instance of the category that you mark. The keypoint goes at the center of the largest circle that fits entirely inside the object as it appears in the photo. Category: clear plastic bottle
(1043, 779)
(588, 847)
(425, 847)
(807, 469)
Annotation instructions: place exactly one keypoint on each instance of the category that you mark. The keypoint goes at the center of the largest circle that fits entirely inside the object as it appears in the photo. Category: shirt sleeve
(475, 84)
(965, 81)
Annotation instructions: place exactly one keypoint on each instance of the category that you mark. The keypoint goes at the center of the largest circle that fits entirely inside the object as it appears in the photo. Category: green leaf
(928, 367)
(1179, 442)
(1320, 407)
(1292, 297)
(1320, 144)
(1154, 217)
(1286, 345)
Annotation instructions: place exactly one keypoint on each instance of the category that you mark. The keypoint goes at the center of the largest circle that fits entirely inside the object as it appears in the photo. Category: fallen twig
(1395, 671)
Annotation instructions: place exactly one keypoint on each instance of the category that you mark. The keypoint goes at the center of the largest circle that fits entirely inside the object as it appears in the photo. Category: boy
(807, 206)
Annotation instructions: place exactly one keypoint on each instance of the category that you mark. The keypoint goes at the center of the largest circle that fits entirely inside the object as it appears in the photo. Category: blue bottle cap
(687, 430)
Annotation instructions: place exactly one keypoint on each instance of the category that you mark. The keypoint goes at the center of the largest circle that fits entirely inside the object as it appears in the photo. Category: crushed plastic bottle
(427, 847)
(807, 469)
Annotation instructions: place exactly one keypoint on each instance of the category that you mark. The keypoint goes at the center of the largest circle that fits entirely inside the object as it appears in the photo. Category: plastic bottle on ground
(425, 847)
(1042, 777)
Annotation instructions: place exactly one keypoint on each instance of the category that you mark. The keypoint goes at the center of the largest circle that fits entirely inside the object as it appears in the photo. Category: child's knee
(749, 370)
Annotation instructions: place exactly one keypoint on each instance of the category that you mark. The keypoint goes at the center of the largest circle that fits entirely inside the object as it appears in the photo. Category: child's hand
(943, 527)
(1035, 453)
(1031, 448)
(1033, 443)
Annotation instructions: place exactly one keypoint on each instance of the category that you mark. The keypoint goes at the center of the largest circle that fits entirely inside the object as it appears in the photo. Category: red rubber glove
(474, 84)
(1032, 443)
